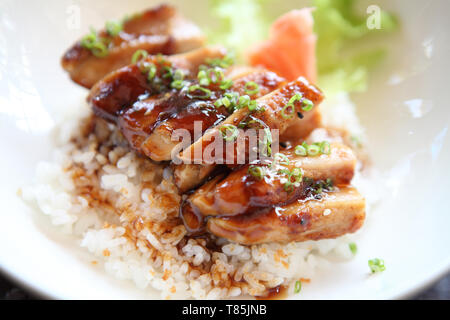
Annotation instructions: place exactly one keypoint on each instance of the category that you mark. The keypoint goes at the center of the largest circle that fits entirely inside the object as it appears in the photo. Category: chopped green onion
(94, 44)
(233, 96)
(281, 158)
(168, 72)
(268, 141)
(178, 75)
(252, 106)
(376, 265)
(215, 75)
(353, 248)
(229, 128)
(226, 84)
(222, 102)
(325, 147)
(149, 68)
(300, 151)
(297, 174)
(287, 108)
(296, 97)
(251, 88)
(88, 40)
(313, 150)
(243, 101)
(256, 171)
(206, 95)
(288, 187)
(307, 105)
(113, 28)
(178, 84)
(298, 286)
(99, 50)
(160, 58)
(202, 78)
(138, 55)
(224, 63)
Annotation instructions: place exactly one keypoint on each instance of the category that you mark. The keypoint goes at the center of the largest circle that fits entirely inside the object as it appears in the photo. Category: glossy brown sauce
(111, 97)
(276, 293)
(192, 219)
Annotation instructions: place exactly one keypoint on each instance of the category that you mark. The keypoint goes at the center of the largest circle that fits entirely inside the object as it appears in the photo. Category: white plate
(406, 113)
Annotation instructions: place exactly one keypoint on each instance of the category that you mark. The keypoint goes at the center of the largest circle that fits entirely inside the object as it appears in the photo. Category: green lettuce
(241, 23)
(342, 59)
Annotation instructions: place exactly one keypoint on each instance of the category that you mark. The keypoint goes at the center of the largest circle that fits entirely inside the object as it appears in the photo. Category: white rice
(123, 209)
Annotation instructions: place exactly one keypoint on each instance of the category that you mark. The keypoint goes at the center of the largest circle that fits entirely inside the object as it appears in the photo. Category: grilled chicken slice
(121, 88)
(241, 193)
(185, 176)
(189, 175)
(272, 115)
(159, 144)
(158, 30)
(336, 214)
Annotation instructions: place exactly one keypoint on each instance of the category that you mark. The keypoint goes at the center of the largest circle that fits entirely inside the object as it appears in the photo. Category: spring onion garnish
(313, 150)
(224, 63)
(229, 100)
(294, 178)
(307, 104)
(99, 50)
(202, 78)
(138, 55)
(168, 72)
(287, 111)
(215, 75)
(281, 158)
(233, 96)
(288, 187)
(222, 102)
(298, 286)
(252, 105)
(296, 97)
(94, 44)
(226, 84)
(297, 174)
(300, 151)
(325, 147)
(256, 171)
(317, 187)
(149, 69)
(113, 28)
(251, 88)
(376, 265)
(178, 74)
(196, 88)
(353, 248)
(232, 101)
(178, 84)
(267, 141)
(226, 128)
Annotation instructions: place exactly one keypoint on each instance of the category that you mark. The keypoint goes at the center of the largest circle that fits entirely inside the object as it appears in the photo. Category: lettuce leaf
(240, 24)
(342, 64)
